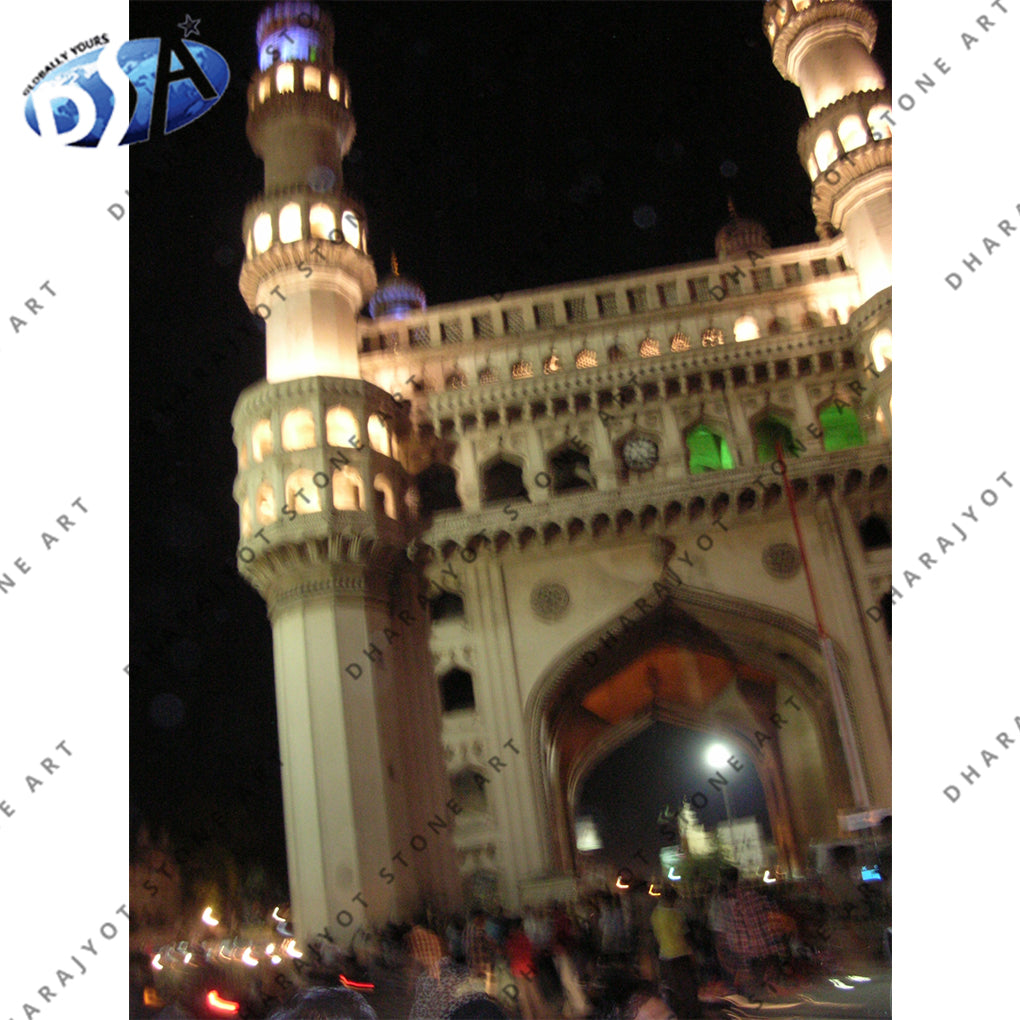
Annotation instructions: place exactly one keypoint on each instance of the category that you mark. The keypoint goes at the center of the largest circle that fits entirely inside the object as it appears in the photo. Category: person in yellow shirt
(677, 973)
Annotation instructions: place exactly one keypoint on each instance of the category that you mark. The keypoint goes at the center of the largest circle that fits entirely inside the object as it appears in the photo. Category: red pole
(858, 783)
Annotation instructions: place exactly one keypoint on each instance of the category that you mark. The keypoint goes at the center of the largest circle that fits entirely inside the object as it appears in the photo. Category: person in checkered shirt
(745, 939)
(426, 949)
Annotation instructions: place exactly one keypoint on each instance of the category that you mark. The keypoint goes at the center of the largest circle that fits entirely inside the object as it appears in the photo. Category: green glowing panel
(708, 452)
(840, 427)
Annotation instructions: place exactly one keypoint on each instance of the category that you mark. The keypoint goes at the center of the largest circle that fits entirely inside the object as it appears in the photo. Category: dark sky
(671, 763)
(499, 147)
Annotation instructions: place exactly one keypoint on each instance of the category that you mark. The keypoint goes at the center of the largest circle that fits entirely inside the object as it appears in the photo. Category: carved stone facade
(484, 525)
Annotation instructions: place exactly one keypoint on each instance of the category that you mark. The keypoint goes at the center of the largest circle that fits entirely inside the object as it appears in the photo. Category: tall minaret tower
(824, 47)
(325, 523)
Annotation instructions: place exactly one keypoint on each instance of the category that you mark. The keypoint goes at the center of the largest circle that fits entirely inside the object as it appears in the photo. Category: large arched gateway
(706, 662)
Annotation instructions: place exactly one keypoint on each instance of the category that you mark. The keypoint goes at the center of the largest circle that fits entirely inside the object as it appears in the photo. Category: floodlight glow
(857, 977)
(270, 949)
(292, 951)
(767, 880)
(208, 918)
(717, 755)
(156, 965)
(274, 959)
(672, 877)
(620, 884)
(839, 984)
(276, 915)
(187, 957)
(652, 891)
(247, 958)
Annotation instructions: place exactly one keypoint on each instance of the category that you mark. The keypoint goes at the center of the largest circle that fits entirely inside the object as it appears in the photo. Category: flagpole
(858, 783)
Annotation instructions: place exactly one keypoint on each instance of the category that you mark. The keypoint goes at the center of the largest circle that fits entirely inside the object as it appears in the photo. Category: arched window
(347, 489)
(707, 450)
(285, 78)
(321, 221)
(825, 151)
(586, 358)
(265, 504)
(302, 493)
(334, 87)
(437, 490)
(384, 492)
(342, 427)
(447, 605)
(712, 337)
(350, 228)
(879, 127)
(297, 431)
(264, 87)
(840, 427)
(881, 349)
(521, 370)
(680, 342)
(262, 232)
(242, 457)
(851, 133)
(468, 789)
(457, 689)
(290, 223)
(767, 433)
(745, 328)
(570, 469)
(875, 533)
(246, 528)
(378, 435)
(261, 440)
(312, 79)
(501, 481)
(551, 364)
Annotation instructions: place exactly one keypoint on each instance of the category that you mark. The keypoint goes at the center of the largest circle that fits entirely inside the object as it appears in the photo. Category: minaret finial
(393, 263)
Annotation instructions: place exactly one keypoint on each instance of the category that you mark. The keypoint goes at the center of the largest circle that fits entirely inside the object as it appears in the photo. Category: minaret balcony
(316, 457)
(843, 127)
(305, 90)
(783, 22)
(297, 214)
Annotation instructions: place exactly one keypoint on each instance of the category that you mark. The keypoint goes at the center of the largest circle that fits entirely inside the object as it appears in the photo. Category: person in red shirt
(520, 956)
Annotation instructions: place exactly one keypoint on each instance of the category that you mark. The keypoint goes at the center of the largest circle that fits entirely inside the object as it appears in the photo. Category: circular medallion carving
(781, 560)
(549, 600)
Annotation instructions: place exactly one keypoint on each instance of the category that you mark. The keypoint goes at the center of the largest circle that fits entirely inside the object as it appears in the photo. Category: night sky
(499, 147)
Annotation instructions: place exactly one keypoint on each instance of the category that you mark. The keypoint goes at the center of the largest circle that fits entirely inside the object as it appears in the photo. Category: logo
(124, 92)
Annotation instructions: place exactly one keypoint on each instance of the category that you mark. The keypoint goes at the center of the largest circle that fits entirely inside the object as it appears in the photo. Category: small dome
(740, 235)
(397, 296)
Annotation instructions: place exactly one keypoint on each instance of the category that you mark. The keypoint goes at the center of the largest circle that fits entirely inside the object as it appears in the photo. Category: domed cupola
(740, 235)
(397, 295)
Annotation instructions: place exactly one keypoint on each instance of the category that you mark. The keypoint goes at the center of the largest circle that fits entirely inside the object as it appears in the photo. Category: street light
(717, 756)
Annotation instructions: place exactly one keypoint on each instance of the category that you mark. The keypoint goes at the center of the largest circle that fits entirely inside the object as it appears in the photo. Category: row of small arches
(301, 78)
(852, 135)
(306, 492)
(298, 432)
(567, 469)
(874, 531)
(292, 225)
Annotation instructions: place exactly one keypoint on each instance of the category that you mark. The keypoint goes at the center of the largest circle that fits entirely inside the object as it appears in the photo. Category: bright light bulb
(208, 918)
(248, 959)
(717, 755)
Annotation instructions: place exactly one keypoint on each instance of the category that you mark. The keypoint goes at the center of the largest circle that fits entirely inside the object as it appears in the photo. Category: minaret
(324, 520)
(824, 47)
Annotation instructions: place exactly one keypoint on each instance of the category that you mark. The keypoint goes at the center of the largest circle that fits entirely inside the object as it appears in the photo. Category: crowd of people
(646, 952)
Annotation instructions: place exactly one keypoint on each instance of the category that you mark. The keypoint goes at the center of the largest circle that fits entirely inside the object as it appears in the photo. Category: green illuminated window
(708, 451)
(840, 427)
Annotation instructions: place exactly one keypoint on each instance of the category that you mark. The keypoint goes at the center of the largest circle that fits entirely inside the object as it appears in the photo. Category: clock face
(640, 454)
